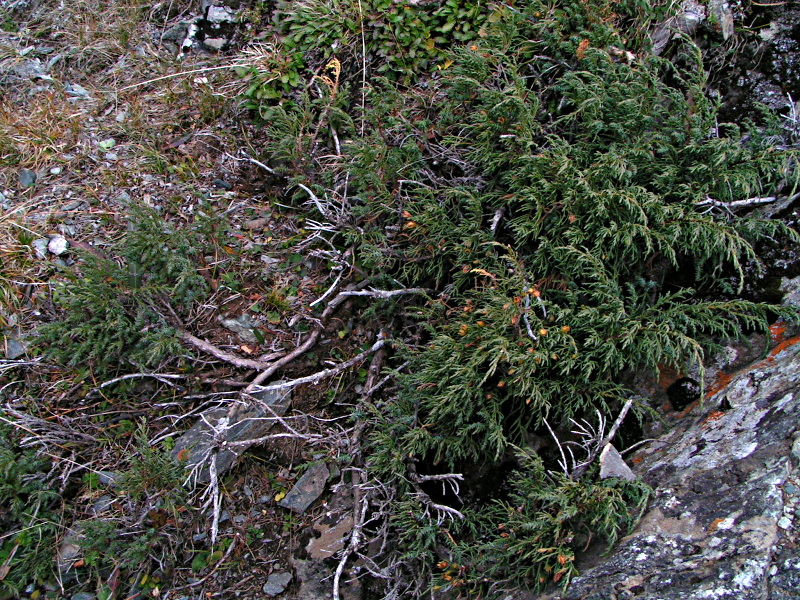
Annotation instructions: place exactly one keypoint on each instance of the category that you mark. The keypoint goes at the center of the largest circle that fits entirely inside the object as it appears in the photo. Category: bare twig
(736, 203)
(319, 376)
(258, 163)
(245, 363)
(498, 215)
(163, 377)
(386, 294)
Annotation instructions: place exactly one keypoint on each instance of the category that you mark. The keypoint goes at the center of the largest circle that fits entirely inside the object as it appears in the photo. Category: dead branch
(385, 294)
(244, 363)
(306, 345)
(317, 377)
(736, 203)
(162, 377)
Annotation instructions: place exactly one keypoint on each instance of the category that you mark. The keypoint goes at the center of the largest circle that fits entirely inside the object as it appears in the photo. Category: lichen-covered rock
(722, 522)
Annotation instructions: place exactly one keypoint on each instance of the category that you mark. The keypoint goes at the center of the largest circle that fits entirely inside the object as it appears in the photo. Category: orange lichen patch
(667, 375)
(714, 416)
(721, 381)
(714, 524)
(781, 347)
(637, 459)
(777, 331)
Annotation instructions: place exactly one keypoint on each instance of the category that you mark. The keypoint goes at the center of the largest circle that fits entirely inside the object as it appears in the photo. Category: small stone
(790, 489)
(222, 184)
(102, 504)
(14, 348)
(277, 583)
(107, 144)
(176, 33)
(112, 156)
(220, 14)
(27, 178)
(199, 537)
(785, 522)
(239, 519)
(107, 477)
(215, 44)
(121, 116)
(613, 465)
(242, 326)
(77, 90)
(55, 171)
(307, 489)
(40, 247)
(58, 245)
(83, 596)
(721, 16)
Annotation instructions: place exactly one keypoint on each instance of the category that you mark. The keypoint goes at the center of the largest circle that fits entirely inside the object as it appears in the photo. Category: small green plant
(152, 479)
(531, 539)
(122, 313)
(29, 519)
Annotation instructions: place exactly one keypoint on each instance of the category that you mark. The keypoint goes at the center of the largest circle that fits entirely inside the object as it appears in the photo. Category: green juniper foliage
(566, 193)
(118, 312)
(531, 538)
(28, 515)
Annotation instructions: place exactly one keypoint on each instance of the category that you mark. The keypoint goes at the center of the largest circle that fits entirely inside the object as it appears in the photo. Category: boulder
(721, 524)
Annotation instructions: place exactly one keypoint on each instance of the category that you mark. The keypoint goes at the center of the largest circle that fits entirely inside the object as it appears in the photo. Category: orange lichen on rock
(667, 375)
(721, 382)
(714, 524)
(715, 415)
(777, 331)
(781, 347)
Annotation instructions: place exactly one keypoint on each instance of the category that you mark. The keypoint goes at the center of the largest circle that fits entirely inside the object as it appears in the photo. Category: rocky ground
(108, 105)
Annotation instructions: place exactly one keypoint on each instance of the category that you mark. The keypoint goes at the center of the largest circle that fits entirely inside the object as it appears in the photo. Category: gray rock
(215, 44)
(40, 247)
(612, 465)
(14, 347)
(721, 17)
(58, 245)
(242, 326)
(685, 22)
(77, 91)
(316, 577)
(108, 478)
(240, 423)
(102, 504)
(220, 14)
(27, 178)
(277, 583)
(307, 489)
(176, 33)
(713, 529)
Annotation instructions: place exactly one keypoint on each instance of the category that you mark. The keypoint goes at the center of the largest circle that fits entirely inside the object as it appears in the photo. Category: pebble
(58, 245)
(222, 184)
(40, 247)
(111, 156)
(276, 583)
(784, 522)
(27, 178)
(55, 171)
(14, 348)
(77, 90)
